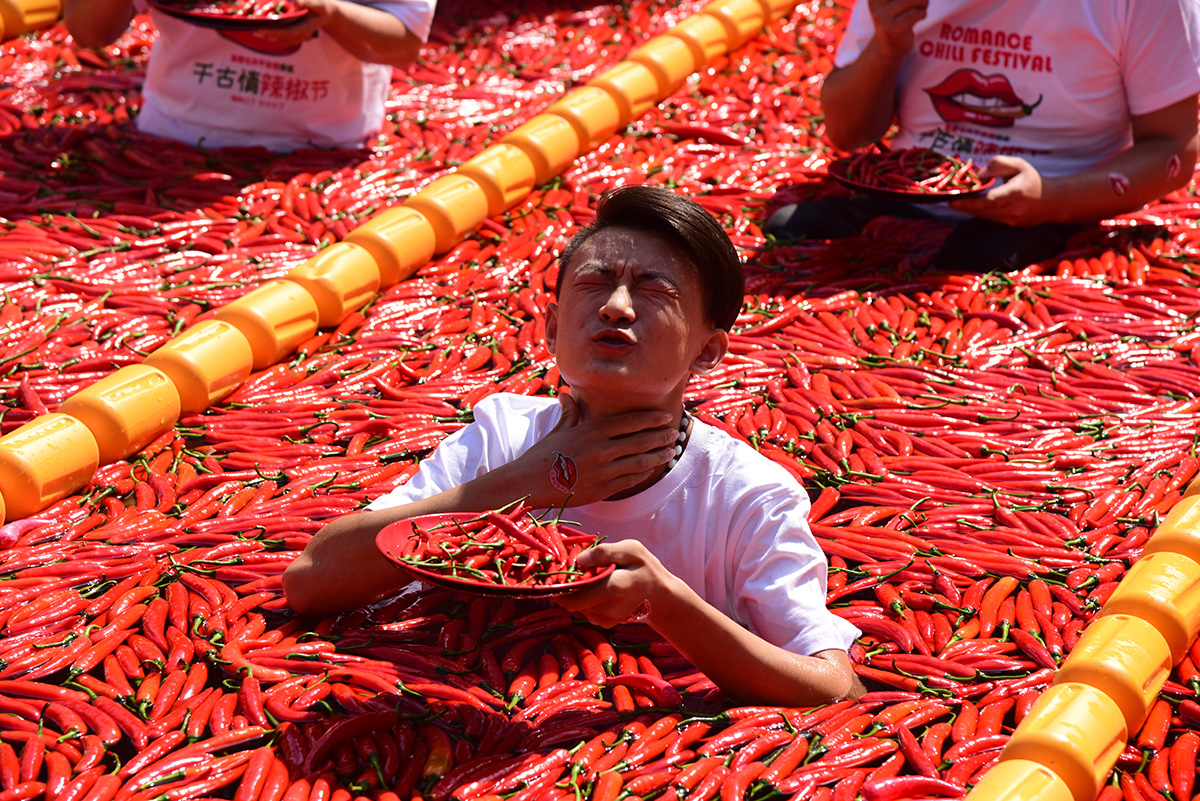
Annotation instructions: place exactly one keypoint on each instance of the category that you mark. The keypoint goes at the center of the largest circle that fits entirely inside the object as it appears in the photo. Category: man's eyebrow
(655, 275)
(604, 268)
(595, 266)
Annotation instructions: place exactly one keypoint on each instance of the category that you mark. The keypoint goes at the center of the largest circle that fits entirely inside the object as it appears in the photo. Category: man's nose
(619, 306)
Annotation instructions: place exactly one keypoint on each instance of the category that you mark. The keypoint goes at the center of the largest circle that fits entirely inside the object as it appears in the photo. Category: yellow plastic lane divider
(54, 455)
(24, 16)
(1070, 740)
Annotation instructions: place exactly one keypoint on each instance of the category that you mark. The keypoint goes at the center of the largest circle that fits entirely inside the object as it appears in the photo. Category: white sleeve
(417, 15)
(781, 576)
(505, 426)
(1161, 63)
(465, 454)
(859, 31)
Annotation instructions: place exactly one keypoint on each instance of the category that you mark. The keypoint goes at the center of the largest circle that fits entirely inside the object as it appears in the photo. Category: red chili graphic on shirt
(563, 473)
(969, 96)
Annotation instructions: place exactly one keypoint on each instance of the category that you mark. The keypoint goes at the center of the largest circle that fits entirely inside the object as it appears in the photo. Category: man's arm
(859, 100)
(1160, 161)
(96, 23)
(341, 568)
(369, 34)
(741, 663)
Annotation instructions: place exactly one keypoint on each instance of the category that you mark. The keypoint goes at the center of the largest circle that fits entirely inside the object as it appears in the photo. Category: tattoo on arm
(1119, 183)
(1174, 165)
(563, 473)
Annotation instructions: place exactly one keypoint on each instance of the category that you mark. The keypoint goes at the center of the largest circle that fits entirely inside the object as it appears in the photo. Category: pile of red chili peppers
(240, 9)
(987, 453)
(503, 548)
(913, 170)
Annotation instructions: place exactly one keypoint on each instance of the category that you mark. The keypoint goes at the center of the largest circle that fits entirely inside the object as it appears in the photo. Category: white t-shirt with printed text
(209, 90)
(725, 520)
(1052, 81)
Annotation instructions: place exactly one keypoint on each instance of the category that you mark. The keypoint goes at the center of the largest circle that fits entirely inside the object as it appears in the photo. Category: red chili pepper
(260, 763)
(344, 729)
(1153, 735)
(10, 766)
(152, 753)
(1182, 764)
(909, 786)
(82, 783)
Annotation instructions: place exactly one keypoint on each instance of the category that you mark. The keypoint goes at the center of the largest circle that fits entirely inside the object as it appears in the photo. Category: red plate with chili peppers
(234, 15)
(507, 553)
(914, 175)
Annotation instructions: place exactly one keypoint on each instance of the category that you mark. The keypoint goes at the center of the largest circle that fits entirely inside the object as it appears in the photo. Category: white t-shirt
(725, 520)
(1052, 81)
(209, 90)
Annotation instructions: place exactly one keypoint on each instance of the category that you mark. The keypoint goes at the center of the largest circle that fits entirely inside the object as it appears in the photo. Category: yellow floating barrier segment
(274, 319)
(1163, 589)
(1074, 731)
(340, 279)
(205, 363)
(43, 461)
(1072, 736)
(1123, 657)
(1021, 780)
(504, 172)
(24, 16)
(1179, 531)
(126, 410)
(54, 455)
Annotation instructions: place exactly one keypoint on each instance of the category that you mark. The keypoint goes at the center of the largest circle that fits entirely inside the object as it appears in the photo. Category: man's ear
(551, 325)
(710, 354)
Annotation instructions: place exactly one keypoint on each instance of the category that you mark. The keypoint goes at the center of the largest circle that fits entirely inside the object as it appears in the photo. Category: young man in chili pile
(710, 538)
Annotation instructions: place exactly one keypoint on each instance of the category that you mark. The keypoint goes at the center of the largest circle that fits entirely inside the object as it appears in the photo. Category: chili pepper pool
(988, 455)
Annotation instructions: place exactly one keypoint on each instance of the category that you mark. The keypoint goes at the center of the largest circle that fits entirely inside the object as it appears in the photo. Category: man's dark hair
(676, 218)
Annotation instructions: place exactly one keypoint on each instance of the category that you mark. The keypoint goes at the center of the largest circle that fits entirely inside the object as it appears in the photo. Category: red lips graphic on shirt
(969, 96)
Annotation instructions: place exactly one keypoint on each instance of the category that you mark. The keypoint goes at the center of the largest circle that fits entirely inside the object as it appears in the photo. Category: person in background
(1084, 109)
(321, 82)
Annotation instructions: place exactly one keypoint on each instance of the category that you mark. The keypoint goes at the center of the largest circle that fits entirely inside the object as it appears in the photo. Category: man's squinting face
(629, 325)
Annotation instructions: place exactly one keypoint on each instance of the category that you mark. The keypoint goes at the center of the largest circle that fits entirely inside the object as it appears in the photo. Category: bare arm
(741, 663)
(341, 568)
(859, 100)
(1160, 161)
(369, 34)
(96, 23)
